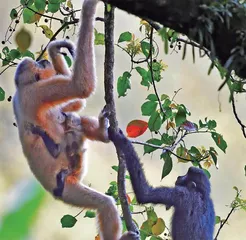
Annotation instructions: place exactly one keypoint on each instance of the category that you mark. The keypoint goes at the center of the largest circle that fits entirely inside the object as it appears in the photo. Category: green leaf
(168, 165)
(238, 86)
(90, 214)
(164, 37)
(155, 122)
(245, 170)
(5, 51)
(164, 96)
(157, 68)
(68, 221)
(214, 157)
(14, 53)
(152, 216)
(143, 234)
(108, 7)
(13, 13)
(47, 31)
(180, 117)
(5, 62)
(148, 108)
(40, 5)
(27, 53)
(145, 229)
(154, 141)
(116, 168)
(27, 2)
(123, 84)
(217, 219)
(146, 79)
(202, 125)
(207, 173)
(155, 238)
(53, 7)
(194, 152)
(166, 103)
(55, 1)
(212, 124)
(99, 38)
(152, 97)
(166, 139)
(2, 94)
(68, 60)
(125, 37)
(28, 15)
(145, 46)
(219, 140)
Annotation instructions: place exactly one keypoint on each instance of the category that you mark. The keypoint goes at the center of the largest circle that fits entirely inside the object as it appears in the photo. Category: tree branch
(223, 223)
(225, 26)
(109, 98)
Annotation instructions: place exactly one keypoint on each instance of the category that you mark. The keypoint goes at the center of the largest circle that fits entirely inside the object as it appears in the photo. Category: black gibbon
(194, 216)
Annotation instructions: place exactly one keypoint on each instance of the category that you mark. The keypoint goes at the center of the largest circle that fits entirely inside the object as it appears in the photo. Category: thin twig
(236, 116)
(223, 223)
(169, 149)
(54, 36)
(109, 98)
(11, 65)
(151, 70)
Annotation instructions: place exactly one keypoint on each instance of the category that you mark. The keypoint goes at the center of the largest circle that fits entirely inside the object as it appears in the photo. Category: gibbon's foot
(130, 236)
(105, 113)
(73, 121)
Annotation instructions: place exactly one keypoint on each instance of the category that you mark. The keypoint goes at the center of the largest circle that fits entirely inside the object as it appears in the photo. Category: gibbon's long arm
(143, 191)
(81, 84)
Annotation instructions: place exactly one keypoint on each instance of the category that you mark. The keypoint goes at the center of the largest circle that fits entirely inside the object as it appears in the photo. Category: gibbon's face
(191, 176)
(44, 69)
(29, 71)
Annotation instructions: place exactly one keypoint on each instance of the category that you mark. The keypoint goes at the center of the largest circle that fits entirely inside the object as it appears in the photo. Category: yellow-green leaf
(47, 31)
(23, 40)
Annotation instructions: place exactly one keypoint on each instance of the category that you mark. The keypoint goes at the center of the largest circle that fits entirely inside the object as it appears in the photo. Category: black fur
(52, 147)
(194, 216)
(60, 180)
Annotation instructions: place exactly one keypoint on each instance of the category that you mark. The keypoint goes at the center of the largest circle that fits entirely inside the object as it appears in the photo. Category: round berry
(3, 42)
(67, 37)
(17, 21)
(9, 99)
(46, 20)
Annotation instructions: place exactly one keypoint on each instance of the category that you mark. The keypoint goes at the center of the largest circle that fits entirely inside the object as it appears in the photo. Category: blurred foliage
(17, 221)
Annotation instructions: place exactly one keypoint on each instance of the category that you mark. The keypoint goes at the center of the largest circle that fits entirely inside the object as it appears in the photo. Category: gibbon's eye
(37, 77)
(43, 63)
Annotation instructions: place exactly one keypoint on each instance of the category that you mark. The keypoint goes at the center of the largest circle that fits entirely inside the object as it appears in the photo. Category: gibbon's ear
(191, 185)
